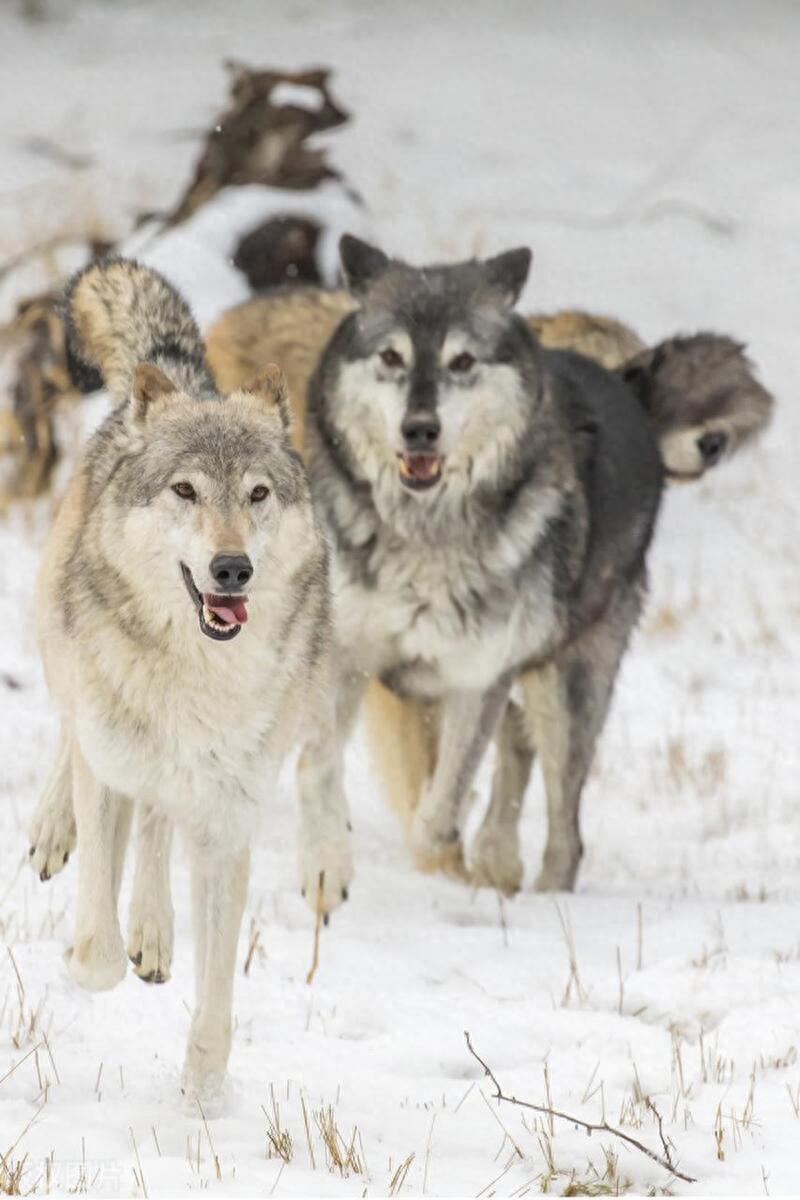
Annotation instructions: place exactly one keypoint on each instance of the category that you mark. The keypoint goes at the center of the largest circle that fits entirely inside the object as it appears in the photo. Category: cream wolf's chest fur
(197, 752)
(433, 620)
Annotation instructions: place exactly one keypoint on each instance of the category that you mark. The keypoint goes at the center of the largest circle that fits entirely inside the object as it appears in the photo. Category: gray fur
(532, 545)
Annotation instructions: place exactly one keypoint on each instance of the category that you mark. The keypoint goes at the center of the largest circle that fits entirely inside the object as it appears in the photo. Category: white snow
(648, 153)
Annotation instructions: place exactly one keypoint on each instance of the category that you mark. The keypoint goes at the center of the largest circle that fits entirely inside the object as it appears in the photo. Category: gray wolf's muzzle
(420, 460)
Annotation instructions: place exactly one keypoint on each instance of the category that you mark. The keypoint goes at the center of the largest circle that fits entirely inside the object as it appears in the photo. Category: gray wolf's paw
(437, 851)
(97, 961)
(495, 861)
(53, 838)
(331, 860)
(558, 872)
(150, 941)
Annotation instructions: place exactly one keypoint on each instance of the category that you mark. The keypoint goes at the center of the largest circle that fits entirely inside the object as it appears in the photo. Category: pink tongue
(235, 614)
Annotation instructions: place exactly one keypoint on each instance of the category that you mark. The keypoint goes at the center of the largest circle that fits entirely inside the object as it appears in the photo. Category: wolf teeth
(211, 618)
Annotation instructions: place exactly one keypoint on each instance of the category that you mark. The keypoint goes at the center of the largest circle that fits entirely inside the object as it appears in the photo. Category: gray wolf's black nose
(231, 571)
(421, 430)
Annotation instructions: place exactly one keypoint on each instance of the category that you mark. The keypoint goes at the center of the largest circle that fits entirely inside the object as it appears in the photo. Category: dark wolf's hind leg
(566, 704)
(495, 859)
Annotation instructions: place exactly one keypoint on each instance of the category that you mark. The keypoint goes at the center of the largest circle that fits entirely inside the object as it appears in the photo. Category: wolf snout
(420, 431)
(231, 571)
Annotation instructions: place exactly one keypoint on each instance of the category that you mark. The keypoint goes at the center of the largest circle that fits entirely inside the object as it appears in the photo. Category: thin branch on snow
(664, 1160)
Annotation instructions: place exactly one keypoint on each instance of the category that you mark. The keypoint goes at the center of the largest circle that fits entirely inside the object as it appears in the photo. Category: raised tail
(703, 397)
(119, 314)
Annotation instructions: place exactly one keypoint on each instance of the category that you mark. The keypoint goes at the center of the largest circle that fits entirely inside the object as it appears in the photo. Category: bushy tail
(119, 314)
(703, 398)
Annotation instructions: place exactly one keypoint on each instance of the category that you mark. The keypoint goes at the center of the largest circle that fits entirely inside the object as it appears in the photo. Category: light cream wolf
(702, 402)
(185, 629)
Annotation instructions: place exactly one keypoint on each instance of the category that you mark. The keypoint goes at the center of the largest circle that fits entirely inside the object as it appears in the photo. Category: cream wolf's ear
(703, 398)
(271, 390)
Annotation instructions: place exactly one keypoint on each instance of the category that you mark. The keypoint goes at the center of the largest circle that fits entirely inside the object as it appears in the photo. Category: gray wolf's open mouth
(220, 617)
(420, 470)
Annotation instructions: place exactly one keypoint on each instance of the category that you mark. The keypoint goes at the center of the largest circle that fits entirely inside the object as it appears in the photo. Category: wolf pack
(434, 512)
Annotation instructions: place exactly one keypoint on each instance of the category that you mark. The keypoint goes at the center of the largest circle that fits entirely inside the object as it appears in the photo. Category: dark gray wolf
(185, 629)
(491, 503)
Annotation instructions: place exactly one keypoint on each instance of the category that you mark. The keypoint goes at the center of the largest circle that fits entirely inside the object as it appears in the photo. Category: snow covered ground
(649, 155)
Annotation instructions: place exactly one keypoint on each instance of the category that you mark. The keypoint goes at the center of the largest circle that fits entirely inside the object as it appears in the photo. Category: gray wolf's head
(428, 386)
(204, 506)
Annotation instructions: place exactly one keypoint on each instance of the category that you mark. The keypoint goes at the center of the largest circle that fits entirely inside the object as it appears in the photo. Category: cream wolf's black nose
(231, 571)
(420, 430)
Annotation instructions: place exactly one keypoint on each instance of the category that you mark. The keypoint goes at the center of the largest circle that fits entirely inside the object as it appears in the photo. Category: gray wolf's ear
(361, 262)
(272, 391)
(149, 383)
(509, 272)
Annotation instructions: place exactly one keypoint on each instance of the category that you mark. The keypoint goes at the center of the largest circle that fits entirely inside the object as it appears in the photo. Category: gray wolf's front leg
(219, 892)
(468, 720)
(495, 858)
(324, 833)
(53, 832)
(151, 918)
(98, 959)
(566, 704)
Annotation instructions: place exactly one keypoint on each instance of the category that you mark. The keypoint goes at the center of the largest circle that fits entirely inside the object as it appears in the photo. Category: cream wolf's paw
(150, 941)
(437, 850)
(203, 1077)
(53, 832)
(330, 861)
(97, 961)
(495, 861)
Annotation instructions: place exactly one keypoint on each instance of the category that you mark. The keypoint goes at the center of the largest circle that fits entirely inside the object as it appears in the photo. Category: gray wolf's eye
(462, 362)
(258, 494)
(390, 358)
(185, 491)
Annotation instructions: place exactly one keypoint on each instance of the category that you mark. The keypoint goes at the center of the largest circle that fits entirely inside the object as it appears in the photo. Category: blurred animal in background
(280, 204)
(185, 629)
(491, 495)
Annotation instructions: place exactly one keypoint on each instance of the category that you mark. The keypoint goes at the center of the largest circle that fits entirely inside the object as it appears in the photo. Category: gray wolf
(184, 623)
(491, 503)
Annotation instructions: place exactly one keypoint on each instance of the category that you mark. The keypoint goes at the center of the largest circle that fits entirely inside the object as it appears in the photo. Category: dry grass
(341, 1155)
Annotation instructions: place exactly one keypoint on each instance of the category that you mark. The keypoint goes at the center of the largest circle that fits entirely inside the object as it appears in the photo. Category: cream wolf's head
(198, 503)
(198, 497)
(429, 384)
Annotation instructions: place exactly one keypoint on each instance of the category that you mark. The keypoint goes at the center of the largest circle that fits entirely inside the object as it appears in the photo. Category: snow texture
(648, 153)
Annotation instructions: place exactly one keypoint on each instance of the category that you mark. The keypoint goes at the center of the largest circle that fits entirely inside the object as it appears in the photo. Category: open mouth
(220, 617)
(419, 471)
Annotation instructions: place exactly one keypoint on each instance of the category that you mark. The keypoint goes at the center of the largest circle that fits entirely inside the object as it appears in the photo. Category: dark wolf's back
(619, 466)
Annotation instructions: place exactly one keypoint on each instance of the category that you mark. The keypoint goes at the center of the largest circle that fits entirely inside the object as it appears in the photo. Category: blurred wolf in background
(491, 500)
(185, 629)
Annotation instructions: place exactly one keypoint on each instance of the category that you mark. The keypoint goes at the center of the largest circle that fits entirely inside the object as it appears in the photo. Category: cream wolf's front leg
(467, 723)
(98, 959)
(324, 824)
(53, 832)
(219, 892)
(151, 918)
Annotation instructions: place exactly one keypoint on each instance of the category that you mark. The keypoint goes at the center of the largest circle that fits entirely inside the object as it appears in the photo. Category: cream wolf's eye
(185, 490)
(391, 358)
(259, 493)
(462, 362)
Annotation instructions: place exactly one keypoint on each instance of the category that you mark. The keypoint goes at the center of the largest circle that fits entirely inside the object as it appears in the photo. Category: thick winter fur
(702, 397)
(188, 727)
(412, 561)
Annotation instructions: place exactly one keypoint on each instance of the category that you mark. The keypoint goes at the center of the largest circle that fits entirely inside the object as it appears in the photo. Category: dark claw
(136, 959)
(44, 874)
(66, 859)
(302, 890)
(345, 894)
(31, 852)
(326, 919)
